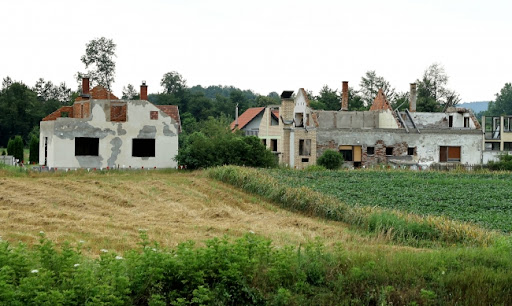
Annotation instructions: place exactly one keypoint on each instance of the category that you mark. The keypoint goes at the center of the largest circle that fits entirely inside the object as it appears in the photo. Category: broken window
(449, 154)
(305, 147)
(507, 124)
(305, 160)
(410, 151)
(153, 115)
(299, 119)
(492, 146)
(507, 146)
(87, 146)
(370, 150)
(142, 147)
(466, 122)
(347, 153)
(273, 145)
(389, 151)
(118, 112)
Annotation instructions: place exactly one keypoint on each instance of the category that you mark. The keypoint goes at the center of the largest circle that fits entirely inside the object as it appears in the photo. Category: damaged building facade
(288, 130)
(383, 136)
(101, 131)
(497, 132)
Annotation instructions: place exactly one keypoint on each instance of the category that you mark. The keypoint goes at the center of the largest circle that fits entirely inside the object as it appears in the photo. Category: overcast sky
(264, 45)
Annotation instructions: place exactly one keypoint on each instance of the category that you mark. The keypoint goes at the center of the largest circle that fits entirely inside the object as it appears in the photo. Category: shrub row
(250, 271)
(400, 226)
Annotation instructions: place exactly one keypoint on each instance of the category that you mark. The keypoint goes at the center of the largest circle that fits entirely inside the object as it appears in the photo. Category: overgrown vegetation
(400, 226)
(15, 148)
(504, 163)
(481, 198)
(250, 271)
(330, 159)
(215, 144)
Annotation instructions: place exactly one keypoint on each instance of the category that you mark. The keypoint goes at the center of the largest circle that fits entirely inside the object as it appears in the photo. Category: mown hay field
(106, 210)
(484, 199)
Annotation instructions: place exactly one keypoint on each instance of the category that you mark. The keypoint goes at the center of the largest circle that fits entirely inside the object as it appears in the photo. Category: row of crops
(481, 198)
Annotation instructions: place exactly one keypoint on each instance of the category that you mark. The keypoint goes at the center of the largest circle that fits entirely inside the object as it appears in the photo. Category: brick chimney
(412, 98)
(85, 87)
(344, 96)
(144, 91)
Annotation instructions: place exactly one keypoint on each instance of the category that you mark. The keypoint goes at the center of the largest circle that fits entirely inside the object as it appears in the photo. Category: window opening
(142, 147)
(305, 147)
(410, 151)
(370, 150)
(273, 145)
(389, 151)
(87, 146)
(449, 154)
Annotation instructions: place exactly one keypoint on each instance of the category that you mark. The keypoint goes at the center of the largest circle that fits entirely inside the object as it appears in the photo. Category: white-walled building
(101, 131)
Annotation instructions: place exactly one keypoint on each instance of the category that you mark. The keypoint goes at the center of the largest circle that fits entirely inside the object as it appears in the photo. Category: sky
(264, 45)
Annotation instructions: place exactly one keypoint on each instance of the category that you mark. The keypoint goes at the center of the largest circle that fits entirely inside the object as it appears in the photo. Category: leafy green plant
(330, 159)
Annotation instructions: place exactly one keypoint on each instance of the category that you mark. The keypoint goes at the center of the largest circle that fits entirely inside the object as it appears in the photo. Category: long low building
(366, 138)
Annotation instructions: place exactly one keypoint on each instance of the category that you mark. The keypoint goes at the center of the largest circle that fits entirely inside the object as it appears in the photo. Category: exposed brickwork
(344, 96)
(99, 93)
(153, 115)
(380, 102)
(58, 113)
(118, 112)
(380, 156)
(144, 92)
(173, 112)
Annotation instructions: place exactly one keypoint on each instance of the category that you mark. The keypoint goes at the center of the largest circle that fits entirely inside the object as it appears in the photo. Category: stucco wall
(115, 138)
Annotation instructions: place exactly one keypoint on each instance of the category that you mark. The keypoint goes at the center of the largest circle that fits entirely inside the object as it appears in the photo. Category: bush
(505, 163)
(34, 149)
(15, 147)
(201, 151)
(330, 159)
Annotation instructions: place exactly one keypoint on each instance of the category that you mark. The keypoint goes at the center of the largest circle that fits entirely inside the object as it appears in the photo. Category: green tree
(355, 101)
(15, 147)
(401, 101)
(129, 93)
(34, 150)
(330, 159)
(173, 83)
(370, 85)
(433, 95)
(503, 103)
(328, 97)
(20, 111)
(99, 58)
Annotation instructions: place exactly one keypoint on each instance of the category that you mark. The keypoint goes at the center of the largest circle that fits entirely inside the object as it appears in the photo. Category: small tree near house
(15, 148)
(34, 150)
(330, 160)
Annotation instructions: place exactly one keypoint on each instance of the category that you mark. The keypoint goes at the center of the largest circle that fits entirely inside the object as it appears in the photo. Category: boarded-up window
(153, 115)
(305, 147)
(142, 147)
(449, 154)
(87, 146)
(118, 112)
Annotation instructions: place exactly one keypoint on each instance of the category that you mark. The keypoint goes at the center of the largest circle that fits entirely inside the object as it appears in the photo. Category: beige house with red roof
(288, 130)
(101, 131)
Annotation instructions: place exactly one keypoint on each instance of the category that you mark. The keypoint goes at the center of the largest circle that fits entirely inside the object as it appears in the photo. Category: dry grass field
(107, 210)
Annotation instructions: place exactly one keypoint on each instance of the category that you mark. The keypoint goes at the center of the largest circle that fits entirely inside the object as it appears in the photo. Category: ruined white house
(101, 131)
(288, 130)
(381, 135)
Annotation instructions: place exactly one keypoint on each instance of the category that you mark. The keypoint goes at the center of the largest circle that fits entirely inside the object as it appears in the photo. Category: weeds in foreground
(250, 270)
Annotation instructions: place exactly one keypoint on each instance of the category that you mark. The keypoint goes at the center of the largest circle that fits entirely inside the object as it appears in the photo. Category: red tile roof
(247, 117)
(275, 112)
(172, 111)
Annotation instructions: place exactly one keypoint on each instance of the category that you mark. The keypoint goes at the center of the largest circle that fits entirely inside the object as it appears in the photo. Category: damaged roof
(247, 117)
(172, 111)
(99, 93)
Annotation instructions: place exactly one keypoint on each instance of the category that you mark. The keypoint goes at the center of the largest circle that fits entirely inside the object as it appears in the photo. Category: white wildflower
(76, 265)
(81, 241)
(154, 250)
(34, 271)
(251, 232)
(41, 232)
(104, 251)
(119, 257)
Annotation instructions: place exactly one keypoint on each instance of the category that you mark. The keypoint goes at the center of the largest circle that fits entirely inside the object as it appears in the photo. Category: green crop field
(481, 198)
